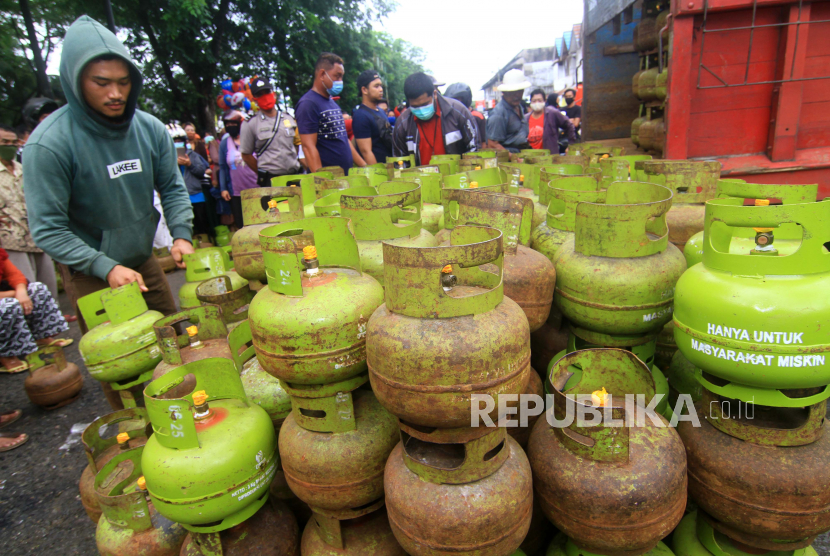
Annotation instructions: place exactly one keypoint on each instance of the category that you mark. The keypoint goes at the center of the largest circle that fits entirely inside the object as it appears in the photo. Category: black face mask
(233, 128)
(569, 101)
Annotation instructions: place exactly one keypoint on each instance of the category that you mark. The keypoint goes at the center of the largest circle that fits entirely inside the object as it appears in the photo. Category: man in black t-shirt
(573, 111)
(370, 125)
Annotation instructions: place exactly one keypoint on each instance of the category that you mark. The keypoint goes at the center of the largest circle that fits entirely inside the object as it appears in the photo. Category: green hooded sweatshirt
(89, 181)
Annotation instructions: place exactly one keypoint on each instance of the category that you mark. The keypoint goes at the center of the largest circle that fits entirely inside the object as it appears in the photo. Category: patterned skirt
(18, 332)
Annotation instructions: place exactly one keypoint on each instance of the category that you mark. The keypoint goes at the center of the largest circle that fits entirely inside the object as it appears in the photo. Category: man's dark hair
(326, 61)
(22, 129)
(184, 125)
(8, 128)
(107, 58)
(537, 92)
(569, 90)
(552, 100)
(416, 85)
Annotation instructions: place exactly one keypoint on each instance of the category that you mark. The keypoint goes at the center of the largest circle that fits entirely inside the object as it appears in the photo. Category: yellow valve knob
(272, 204)
(309, 252)
(122, 437)
(522, 177)
(192, 330)
(761, 202)
(478, 167)
(200, 397)
(600, 397)
(447, 269)
(142, 483)
(473, 184)
(400, 163)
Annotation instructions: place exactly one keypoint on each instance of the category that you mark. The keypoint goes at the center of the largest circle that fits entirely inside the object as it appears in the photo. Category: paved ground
(40, 510)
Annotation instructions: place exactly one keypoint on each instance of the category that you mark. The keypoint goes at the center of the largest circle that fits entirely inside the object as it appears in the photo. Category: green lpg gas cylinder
(692, 183)
(613, 169)
(309, 324)
(223, 235)
(484, 177)
(606, 455)
(305, 182)
(636, 125)
(754, 319)
(787, 236)
(203, 265)
(130, 524)
(550, 172)
(450, 207)
(120, 347)
(534, 152)
(470, 338)
(450, 159)
(396, 164)
(260, 387)
(391, 217)
(375, 173)
(233, 302)
(695, 536)
(206, 337)
(526, 178)
(561, 545)
(262, 207)
(560, 220)
(213, 453)
(329, 205)
(529, 277)
(431, 180)
(323, 187)
(632, 159)
(616, 276)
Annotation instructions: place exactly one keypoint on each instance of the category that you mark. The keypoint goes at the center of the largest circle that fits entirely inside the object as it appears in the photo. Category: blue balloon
(246, 104)
(227, 99)
(227, 85)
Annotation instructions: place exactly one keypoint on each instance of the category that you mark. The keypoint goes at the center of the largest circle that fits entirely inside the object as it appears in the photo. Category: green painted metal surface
(223, 235)
(130, 525)
(120, 346)
(561, 545)
(396, 164)
(208, 474)
(550, 172)
(311, 329)
(232, 301)
(375, 173)
(451, 160)
(306, 184)
(617, 276)
(203, 265)
(614, 169)
(756, 321)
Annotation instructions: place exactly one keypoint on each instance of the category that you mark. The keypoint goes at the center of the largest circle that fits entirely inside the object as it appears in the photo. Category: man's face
(569, 97)
(8, 139)
(334, 73)
(191, 132)
(106, 85)
(513, 98)
(422, 100)
(383, 107)
(537, 98)
(375, 90)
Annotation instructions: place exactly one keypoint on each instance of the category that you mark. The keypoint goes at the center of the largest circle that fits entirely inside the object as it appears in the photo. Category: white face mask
(537, 106)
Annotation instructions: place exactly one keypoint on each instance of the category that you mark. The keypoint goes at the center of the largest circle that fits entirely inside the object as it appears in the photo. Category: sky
(470, 41)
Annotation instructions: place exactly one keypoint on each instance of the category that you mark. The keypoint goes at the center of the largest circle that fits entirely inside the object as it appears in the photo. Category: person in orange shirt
(536, 119)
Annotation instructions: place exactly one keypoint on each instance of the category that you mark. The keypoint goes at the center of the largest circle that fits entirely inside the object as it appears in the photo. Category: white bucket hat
(514, 80)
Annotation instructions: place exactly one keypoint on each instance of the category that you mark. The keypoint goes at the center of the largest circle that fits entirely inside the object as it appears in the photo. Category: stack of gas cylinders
(492, 355)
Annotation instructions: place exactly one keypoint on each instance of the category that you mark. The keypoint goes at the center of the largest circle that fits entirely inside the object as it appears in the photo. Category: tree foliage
(187, 47)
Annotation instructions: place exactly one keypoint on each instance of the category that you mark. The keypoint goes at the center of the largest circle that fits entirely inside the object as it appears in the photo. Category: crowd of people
(80, 184)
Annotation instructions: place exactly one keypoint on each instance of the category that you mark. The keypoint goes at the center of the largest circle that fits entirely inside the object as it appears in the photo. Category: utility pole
(110, 18)
(44, 89)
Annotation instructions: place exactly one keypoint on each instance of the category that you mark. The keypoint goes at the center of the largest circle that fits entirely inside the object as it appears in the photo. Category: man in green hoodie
(90, 170)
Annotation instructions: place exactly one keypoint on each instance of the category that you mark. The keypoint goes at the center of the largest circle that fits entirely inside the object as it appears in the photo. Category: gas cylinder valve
(310, 260)
(764, 236)
(448, 279)
(193, 333)
(201, 405)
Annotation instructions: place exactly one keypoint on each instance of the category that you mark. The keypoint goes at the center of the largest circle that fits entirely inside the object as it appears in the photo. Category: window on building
(628, 14)
(617, 22)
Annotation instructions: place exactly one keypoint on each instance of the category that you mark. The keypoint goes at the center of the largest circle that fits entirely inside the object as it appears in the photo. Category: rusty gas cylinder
(130, 524)
(545, 343)
(262, 207)
(585, 474)
(478, 477)
(53, 381)
(309, 324)
(206, 337)
(334, 446)
(636, 125)
(616, 277)
(165, 259)
(232, 300)
(446, 331)
(529, 277)
(522, 434)
(665, 347)
(489, 183)
(100, 450)
(681, 378)
(367, 535)
(692, 184)
(271, 531)
(760, 472)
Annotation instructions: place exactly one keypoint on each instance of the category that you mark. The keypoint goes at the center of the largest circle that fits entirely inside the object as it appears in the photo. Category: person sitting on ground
(29, 317)
(11, 440)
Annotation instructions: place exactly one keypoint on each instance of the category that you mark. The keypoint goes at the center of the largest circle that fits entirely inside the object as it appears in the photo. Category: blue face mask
(336, 86)
(424, 112)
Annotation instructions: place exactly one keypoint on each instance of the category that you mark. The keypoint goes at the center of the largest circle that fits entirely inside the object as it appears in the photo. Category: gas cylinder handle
(684, 178)
(206, 263)
(510, 214)
(255, 209)
(631, 222)
(617, 372)
(449, 201)
(121, 507)
(395, 164)
(329, 205)
(413, 275)
(430, 178)
(208, 318)
(115, 305)
(385, 215)
(809, 258)
(323, 186)
(551, 172)
(134, 421)
(47, 355)
(566, 193)
(518, 169)
(789, 194)
(613, 169)
(282, 246)
(484, 178)
(233, 302)
(305, 182)
(241, 344)
(172, 419)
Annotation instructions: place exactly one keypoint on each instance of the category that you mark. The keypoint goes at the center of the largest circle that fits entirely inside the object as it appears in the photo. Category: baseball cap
(260, 86)
(366, 77)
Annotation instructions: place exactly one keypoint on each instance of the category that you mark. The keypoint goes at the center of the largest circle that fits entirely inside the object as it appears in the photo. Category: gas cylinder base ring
(351, 513)
(754, 540)
(609, 340)
(62, 403)
(231, 520)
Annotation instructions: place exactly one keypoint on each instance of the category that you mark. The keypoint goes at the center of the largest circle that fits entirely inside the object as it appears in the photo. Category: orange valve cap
(447, 269)
(200, 397)
(142, 483)
(601, 397)
(192, 330)
(272, 204)
(122, 437)
(473, 184)
(309, 252)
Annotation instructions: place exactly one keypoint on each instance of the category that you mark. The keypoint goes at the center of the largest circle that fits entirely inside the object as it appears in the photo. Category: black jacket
(457, 125)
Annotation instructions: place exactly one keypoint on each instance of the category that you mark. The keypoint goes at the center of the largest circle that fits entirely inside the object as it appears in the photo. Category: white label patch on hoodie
(124, 167)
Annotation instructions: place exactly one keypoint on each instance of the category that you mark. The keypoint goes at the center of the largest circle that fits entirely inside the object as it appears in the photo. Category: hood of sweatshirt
(85, 40)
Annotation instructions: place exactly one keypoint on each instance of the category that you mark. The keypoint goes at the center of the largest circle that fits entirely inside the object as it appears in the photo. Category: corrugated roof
(567, 37)
(559, 47)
